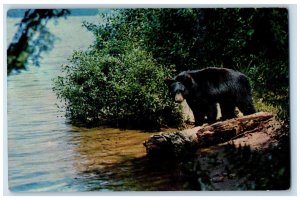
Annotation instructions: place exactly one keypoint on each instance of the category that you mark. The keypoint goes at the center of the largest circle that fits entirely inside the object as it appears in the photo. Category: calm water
(47, 154)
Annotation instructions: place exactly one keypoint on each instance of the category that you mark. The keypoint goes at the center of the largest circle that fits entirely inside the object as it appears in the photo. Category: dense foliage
(135, 49)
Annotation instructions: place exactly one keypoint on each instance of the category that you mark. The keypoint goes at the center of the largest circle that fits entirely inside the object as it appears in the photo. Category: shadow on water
(108, 159)
(137, 174)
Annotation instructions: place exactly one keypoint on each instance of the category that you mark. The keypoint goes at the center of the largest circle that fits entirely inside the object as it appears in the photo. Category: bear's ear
(168, 81)
(189, 77)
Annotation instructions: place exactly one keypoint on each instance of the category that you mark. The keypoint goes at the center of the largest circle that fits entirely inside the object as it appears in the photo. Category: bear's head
(186, 79)
(177, 88)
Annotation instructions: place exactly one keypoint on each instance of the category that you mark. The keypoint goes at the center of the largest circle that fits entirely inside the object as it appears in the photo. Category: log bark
(184, 142)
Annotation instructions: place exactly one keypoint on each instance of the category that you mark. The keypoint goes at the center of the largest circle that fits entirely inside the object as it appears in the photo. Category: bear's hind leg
(246, 107)
(227, 110)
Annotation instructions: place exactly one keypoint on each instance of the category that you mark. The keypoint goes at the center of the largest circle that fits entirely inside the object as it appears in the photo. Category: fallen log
(184, 142)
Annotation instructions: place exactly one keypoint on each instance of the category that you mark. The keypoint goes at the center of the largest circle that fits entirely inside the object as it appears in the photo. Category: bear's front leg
(198, 112)
(212, 113)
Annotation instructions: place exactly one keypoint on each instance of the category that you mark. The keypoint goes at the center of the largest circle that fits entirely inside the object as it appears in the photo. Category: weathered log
(180, 143)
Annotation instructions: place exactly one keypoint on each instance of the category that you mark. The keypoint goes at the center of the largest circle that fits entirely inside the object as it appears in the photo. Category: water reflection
(97, 148)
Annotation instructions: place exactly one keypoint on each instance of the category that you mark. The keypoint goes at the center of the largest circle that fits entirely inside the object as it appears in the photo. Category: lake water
(45, 153)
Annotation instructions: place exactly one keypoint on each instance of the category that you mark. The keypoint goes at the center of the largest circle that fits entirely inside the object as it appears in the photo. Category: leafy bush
(125, 90)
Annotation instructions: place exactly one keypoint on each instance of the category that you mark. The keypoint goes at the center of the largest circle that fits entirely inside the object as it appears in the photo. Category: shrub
(125, 90)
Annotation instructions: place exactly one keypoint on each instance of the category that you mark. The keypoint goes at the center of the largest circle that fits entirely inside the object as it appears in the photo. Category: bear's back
(213, 75)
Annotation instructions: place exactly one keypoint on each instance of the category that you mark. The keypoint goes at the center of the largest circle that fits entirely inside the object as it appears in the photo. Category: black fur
(202, 89)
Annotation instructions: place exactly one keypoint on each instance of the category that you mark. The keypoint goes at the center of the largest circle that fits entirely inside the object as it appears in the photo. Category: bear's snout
(178, 97)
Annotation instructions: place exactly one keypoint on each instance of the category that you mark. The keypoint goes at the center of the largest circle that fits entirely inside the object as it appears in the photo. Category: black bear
(202, 89)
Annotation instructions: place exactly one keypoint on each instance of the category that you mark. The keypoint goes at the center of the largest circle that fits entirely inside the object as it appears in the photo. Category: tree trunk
(184, 142)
